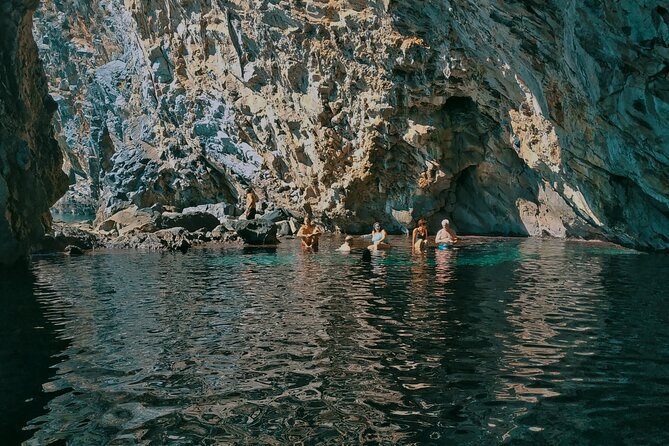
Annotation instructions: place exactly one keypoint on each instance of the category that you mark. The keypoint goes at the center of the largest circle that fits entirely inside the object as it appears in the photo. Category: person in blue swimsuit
(378, 238)
(446, 236)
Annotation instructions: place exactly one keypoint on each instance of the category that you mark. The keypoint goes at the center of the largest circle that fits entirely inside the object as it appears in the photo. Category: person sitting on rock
(446, 236)
(251, 201)
(346, 246)
(309, 234)
(379, 238)
(419, 236)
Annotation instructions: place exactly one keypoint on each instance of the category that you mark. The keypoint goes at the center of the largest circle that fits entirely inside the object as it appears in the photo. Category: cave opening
(483, 177)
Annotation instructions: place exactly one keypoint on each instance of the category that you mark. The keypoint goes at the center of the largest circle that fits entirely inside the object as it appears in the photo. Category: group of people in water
(446, 236)
(310, 233)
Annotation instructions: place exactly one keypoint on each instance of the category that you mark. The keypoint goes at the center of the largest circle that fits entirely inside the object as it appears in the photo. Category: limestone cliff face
(31, 179)
(508, 117)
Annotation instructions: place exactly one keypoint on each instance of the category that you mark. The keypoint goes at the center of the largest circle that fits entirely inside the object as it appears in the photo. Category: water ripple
(528, 341)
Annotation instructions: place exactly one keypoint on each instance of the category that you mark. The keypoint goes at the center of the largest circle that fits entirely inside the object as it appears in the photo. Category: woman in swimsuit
(378, 238)
(419, 236)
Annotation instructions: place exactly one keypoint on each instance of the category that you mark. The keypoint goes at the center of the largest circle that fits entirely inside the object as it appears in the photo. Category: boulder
(191, 221)
(200, 235)
(257, 232)
(73, 250)
(64, 235)
(230, 237)
(131, 219)
(218, 210)
(219, 231)
(138, 240)
(283, 228)
(172, 239)
(229, 223)
(279, 214)
(233, 211)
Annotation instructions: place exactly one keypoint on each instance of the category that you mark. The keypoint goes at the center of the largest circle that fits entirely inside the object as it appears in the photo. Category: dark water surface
(498, 342)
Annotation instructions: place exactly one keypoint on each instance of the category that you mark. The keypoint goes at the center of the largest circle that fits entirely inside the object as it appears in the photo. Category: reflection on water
(521, 341)
(27, 344)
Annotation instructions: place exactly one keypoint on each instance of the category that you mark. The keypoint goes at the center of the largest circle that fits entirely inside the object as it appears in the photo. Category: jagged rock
(172, 239)
(132, 219)
(278, 215)
(220, 231)
(506, 117)
(200, 236)
(230, 237)
(73, 250)
(218, 210)
(283, 228)
(31, 179)
(233, 211)
(63, 235)
(192, 221)
(229, 224)
(257, 232)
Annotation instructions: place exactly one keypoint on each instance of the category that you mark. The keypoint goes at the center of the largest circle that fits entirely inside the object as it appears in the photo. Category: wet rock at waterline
(63, 235)
(130, 220)
(508, 118)
(173, 239)
(138, 229)
(73, 250)
(280, 214)
(191, 221)
(30, 176)
(257, 232)
(222, 211)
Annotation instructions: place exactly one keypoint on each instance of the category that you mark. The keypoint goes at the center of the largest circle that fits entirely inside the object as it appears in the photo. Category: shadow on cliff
(489, 177)
(479, 179)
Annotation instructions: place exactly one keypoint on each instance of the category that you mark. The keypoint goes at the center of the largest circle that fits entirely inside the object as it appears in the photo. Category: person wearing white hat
(446, 236)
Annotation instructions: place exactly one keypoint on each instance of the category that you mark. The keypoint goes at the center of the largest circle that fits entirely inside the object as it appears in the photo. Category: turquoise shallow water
(501, 341)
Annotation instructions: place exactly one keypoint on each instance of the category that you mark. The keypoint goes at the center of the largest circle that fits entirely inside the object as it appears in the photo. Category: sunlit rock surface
(30, 176)
(507, 117)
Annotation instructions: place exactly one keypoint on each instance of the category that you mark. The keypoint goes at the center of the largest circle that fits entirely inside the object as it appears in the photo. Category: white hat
(445, 222)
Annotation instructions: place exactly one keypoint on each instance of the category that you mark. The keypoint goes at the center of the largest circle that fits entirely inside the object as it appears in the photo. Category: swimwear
(377, 236)
(446, 235)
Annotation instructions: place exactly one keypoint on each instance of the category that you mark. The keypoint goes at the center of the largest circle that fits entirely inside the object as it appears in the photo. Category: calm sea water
(498, 342)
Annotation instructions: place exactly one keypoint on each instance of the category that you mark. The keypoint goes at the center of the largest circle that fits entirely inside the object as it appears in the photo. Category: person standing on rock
(251, 201)
(309, 234)
(446, 236)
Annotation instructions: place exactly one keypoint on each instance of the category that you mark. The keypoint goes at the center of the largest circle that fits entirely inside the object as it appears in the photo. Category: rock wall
(31, 179)
(522, 117)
